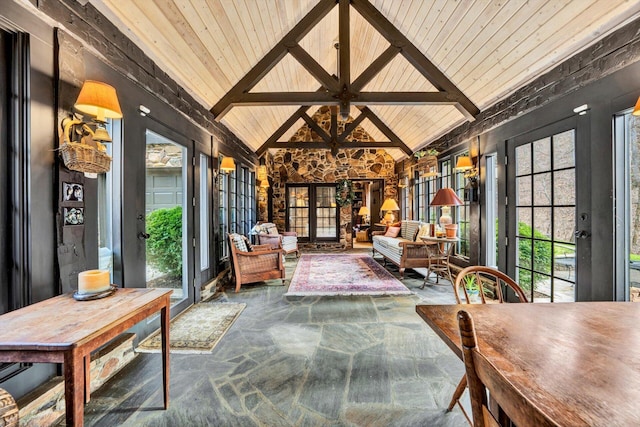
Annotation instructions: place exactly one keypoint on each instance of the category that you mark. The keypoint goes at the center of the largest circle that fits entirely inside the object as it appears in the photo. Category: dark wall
(80, 44)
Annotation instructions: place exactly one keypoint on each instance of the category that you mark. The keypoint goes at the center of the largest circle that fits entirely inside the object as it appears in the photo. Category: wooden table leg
(74, 388)
(164, 321)
(87, 378)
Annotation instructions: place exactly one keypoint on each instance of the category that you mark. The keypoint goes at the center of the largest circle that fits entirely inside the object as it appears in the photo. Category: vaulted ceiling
(486, 48)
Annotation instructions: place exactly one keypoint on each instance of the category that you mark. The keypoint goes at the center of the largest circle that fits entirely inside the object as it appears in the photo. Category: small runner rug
(343, 274)
(197, 330)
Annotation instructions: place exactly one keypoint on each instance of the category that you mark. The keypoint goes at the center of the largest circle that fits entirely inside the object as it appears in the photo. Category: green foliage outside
(164, 245)
(542, 256)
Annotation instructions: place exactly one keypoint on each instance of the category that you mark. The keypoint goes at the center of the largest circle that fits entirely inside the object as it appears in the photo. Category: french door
(312, 212)
(547, 229)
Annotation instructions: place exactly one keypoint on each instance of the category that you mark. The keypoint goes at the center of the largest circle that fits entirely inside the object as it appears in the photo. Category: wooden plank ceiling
(487, 48)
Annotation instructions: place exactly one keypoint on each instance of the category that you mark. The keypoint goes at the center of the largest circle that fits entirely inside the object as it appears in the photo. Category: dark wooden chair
(507, 405)
(254, 263)
(491, 286)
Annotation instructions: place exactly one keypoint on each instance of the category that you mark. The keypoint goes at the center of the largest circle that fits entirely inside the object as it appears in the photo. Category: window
(204, 212)
(223, 213)
(491, 210)
(627, 167)
(106, 199)
(424, 189)
(462, 212)
(243, 225)
(233, 203)
(312, 212)
(405, 197)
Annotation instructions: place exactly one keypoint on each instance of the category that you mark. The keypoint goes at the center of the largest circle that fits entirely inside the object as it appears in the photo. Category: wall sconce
(86, 153)
(465, 164)
(403, 182)
(227, 165)
(264, 184)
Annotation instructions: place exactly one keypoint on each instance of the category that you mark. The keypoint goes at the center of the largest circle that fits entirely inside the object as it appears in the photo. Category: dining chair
(479, 284)
(508, 405)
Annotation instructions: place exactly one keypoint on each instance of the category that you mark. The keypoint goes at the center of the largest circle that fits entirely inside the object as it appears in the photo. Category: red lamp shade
(446, 197)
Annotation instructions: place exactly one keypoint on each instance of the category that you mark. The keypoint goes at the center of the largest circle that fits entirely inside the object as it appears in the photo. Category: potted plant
(472, 287)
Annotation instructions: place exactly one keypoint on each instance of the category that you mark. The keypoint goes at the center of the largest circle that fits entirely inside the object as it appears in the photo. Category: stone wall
(320, 166)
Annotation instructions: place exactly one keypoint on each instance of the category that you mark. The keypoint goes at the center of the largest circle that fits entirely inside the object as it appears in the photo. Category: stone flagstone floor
(314, 361)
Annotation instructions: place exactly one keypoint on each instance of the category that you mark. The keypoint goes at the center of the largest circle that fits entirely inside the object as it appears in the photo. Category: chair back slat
(483, 275)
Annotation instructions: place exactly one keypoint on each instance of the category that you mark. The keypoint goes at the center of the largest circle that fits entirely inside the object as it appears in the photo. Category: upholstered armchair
(254, 263)
(268, 235)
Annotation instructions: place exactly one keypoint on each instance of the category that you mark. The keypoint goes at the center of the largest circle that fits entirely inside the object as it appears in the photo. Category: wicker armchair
(287, 240)
(254, 263)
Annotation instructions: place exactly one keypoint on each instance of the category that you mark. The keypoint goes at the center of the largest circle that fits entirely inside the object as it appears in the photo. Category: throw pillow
(271, 229)
(239, 243)
(392, 232)
(423, 232)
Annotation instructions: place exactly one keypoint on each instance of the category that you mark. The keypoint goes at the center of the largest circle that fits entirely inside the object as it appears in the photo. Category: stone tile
(349, 338)
(369, 380)
(326, 383)
(295, 339)
(344, 310)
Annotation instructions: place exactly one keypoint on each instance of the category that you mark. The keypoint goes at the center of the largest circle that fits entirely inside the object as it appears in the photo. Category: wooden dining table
(579, 363)
(63, 330)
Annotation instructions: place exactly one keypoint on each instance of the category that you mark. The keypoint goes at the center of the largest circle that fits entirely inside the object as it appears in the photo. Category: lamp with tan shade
(364, 213)
(389, 206)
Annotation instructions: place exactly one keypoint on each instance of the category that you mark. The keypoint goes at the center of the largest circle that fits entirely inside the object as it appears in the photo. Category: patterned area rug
(197, 330)
(343, 274)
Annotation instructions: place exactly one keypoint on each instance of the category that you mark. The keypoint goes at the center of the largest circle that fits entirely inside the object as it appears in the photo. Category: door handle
(143, 236)
(582, 234)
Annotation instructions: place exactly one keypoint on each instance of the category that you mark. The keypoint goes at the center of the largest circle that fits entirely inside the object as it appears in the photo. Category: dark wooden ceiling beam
(415, 56)
(386, 130)
(282, 129)
(364, 98)
(316, 128)
(350, 127)
(265, 65)
(374, 68)
(319, 145)
(344, 37)
(314, 68)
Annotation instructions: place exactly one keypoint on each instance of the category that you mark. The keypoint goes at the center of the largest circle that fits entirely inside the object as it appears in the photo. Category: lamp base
(446, 216)
(389, 218)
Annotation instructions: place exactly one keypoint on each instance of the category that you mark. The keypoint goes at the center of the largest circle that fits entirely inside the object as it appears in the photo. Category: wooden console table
(63, 330)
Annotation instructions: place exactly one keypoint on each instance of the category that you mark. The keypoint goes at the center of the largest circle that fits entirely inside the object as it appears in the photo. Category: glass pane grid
(545, 217)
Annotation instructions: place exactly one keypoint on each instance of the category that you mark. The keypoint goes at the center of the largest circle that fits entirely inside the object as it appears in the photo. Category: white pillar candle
(93, 281)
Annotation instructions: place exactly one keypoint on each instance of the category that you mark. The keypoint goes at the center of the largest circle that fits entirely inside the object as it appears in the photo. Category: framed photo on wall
(73, 192)
(73, 216)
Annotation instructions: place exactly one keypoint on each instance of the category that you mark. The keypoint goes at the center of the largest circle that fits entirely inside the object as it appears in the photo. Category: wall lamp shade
(227, 165)
(363, 211)
(636, 109)
(264, 183)
(446, 197)
(464, 163)
(100, 100)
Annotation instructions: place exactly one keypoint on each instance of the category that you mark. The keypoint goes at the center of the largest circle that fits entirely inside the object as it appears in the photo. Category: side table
(441, 249)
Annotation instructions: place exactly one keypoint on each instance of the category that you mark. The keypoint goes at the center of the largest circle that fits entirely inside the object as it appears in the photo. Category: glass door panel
(165, 210)
(298, 198)
(545, 216)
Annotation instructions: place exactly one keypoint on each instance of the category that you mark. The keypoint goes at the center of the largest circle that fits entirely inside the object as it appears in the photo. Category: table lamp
(446, 197)
(389, 205)
(364, 213)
